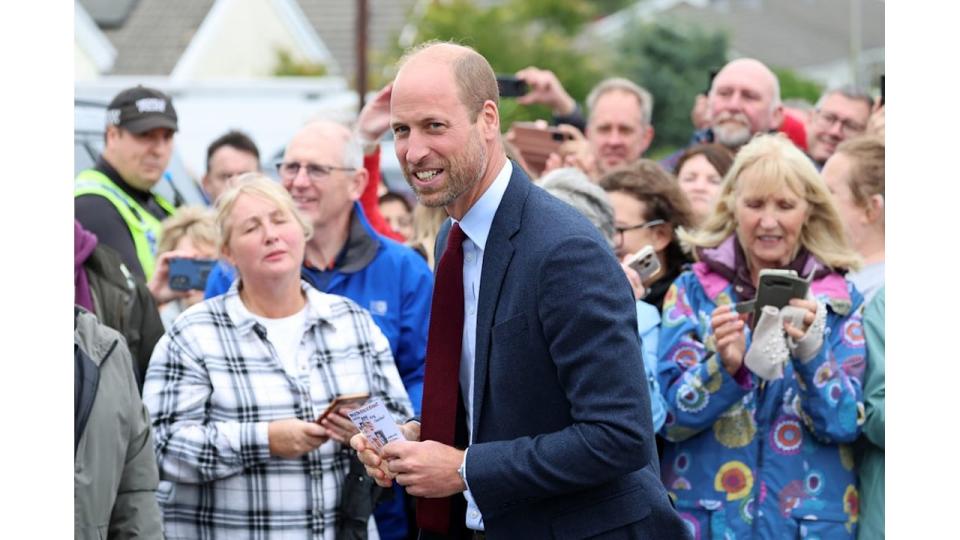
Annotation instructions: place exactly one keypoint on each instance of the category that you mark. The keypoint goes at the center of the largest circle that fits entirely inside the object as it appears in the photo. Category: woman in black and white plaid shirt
(236, 383)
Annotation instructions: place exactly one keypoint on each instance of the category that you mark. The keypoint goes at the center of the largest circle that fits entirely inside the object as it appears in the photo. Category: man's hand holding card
(377, 428)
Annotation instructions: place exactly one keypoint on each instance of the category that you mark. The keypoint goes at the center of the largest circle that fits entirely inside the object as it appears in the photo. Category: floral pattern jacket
(748, 458)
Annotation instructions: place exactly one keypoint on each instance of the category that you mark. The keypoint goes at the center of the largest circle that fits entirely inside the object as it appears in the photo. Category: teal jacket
(871, 463)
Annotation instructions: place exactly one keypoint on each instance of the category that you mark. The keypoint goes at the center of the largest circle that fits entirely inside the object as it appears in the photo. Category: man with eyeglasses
(229, 156)
(841, 113)
(322, 168)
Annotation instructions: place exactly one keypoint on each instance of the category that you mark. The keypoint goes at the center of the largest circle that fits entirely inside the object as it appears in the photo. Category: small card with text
(376, 423)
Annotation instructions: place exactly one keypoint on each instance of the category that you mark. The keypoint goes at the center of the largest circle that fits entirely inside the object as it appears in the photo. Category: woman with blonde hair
(426, 225)
(236, 385)
(855, 176)
(190, 233)
(759, 420)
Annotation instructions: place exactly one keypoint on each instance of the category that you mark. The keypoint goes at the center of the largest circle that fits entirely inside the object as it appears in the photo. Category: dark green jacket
(124, 304)
(115, 470)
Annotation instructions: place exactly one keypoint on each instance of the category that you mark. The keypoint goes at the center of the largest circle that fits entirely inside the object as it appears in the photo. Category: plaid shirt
(213, 385)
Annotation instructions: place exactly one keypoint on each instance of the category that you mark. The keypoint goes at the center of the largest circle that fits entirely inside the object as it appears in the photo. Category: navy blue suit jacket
(563, 442)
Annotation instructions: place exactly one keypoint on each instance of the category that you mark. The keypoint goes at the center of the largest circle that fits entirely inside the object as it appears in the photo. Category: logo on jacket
(378, 307)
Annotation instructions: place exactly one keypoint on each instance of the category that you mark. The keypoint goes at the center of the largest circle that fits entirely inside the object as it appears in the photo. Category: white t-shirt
(285, 335)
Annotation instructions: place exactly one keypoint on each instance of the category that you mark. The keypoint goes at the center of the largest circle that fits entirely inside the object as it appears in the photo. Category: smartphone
(190, 274)
(511, 86)
(536, 143)
(776, 288)
(353, 400)
(646, 263)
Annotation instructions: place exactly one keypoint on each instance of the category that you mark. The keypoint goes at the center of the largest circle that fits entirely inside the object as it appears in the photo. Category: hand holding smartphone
(536, 143)
(776, 288)
(646, 263)
(346, 400)
(190, 274)
(511, 86)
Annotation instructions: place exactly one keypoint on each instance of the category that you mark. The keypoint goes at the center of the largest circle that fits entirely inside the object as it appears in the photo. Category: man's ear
(358, 183)
(646, 139)
(776, 117)
(489, 118)
(112, 133)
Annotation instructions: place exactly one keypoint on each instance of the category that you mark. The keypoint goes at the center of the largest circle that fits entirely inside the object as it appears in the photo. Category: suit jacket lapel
(496, 258)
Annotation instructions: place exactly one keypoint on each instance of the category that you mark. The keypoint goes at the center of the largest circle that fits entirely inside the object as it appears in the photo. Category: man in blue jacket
(322, 169)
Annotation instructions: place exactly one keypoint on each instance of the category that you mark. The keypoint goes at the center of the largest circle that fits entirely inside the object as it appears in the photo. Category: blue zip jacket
(748, 458)
(396, 287)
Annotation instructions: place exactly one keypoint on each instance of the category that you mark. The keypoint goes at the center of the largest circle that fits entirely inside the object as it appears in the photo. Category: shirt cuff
(463, 468)
(254, 442)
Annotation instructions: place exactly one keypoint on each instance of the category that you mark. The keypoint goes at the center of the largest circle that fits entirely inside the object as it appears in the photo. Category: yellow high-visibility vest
(144, 227)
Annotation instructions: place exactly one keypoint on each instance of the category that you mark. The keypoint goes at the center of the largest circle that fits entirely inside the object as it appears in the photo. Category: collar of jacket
(725, 265)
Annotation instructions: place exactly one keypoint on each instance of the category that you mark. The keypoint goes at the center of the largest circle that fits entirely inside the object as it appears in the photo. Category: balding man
(744, 100)
(535, 404)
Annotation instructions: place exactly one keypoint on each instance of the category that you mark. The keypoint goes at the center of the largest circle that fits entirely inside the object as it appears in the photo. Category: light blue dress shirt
(476, 225)
(648, 325)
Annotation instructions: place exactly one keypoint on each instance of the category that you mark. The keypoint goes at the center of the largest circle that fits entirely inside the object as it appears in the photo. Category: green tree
(795, 86)
(287, 66)
(517, 34)
(673, 61)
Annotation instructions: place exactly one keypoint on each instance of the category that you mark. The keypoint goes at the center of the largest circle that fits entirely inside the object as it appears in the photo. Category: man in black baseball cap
(113, 199)
(141, 109)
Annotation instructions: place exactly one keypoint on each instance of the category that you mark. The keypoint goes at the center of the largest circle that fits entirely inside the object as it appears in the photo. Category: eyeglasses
(646, 224)
(289, 170)
(849, 128)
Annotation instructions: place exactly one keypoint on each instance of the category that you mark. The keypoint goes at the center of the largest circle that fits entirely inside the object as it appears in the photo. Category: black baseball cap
(141, 109)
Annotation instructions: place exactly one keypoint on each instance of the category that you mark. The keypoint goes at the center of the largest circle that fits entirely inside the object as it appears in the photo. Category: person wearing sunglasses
(648, 205)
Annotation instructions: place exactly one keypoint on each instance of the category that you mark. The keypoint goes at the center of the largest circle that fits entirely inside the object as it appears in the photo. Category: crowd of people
(546, 384)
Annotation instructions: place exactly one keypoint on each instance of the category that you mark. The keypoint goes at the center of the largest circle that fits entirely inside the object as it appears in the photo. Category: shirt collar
(478, 220)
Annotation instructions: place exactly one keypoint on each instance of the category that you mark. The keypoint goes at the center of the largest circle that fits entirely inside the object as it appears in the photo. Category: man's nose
(415, 148)
(836, 129)
(301, 179)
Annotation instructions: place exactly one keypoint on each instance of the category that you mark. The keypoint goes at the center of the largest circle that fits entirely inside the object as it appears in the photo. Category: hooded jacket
(122, 302)
(748, 458)
(115, 470)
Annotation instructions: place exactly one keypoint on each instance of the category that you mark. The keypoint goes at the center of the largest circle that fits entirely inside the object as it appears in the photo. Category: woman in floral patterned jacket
(759, 421)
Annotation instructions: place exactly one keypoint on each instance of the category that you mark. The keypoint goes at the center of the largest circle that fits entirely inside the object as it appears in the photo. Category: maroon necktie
(441, 382)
